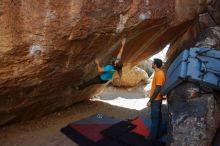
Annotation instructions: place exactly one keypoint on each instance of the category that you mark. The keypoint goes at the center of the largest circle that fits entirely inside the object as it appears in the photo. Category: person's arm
(121, 49)
(156, 92)
(99, 68)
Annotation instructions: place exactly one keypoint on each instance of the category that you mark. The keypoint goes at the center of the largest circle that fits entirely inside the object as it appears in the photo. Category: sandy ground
(46, 130)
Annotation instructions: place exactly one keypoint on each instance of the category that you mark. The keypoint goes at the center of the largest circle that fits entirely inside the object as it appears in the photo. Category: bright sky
(161, 54)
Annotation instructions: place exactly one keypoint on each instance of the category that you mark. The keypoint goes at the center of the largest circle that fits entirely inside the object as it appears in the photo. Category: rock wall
(194, 117)
(46, 46)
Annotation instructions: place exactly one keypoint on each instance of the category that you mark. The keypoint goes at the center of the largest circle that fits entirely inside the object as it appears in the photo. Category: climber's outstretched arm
(121, 49)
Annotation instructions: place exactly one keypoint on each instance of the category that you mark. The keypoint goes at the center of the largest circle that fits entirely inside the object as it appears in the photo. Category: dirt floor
(46, 130)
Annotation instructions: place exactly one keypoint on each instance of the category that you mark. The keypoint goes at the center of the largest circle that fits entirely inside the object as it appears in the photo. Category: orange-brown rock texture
(46, 46)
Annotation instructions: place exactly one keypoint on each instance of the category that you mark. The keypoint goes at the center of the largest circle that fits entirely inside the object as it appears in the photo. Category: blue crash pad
(198, 65)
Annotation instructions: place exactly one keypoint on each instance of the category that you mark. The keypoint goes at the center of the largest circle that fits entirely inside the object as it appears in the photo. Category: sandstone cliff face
(47, 46)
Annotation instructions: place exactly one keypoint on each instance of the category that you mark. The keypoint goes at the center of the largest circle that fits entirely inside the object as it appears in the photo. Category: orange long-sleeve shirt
(158, 79)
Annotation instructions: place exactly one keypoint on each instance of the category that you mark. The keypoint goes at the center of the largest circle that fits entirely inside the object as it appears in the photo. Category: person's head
(157, 63)
(117, 64)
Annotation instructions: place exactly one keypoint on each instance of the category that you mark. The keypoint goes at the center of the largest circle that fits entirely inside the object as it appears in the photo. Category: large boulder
(131, 77)
(46, 47)
(194, 117)
(146, 65)
(194, 114)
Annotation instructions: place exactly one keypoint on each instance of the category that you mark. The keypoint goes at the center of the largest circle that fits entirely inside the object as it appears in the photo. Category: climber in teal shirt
(106, 72)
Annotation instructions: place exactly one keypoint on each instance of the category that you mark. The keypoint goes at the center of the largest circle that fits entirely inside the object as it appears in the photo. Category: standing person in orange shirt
(156, 99)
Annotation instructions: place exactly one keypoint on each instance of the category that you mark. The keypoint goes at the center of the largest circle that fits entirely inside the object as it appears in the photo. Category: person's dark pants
(156, 118)
(96, 80)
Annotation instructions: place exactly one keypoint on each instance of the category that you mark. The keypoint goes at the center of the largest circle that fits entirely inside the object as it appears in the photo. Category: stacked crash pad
(198, 65)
